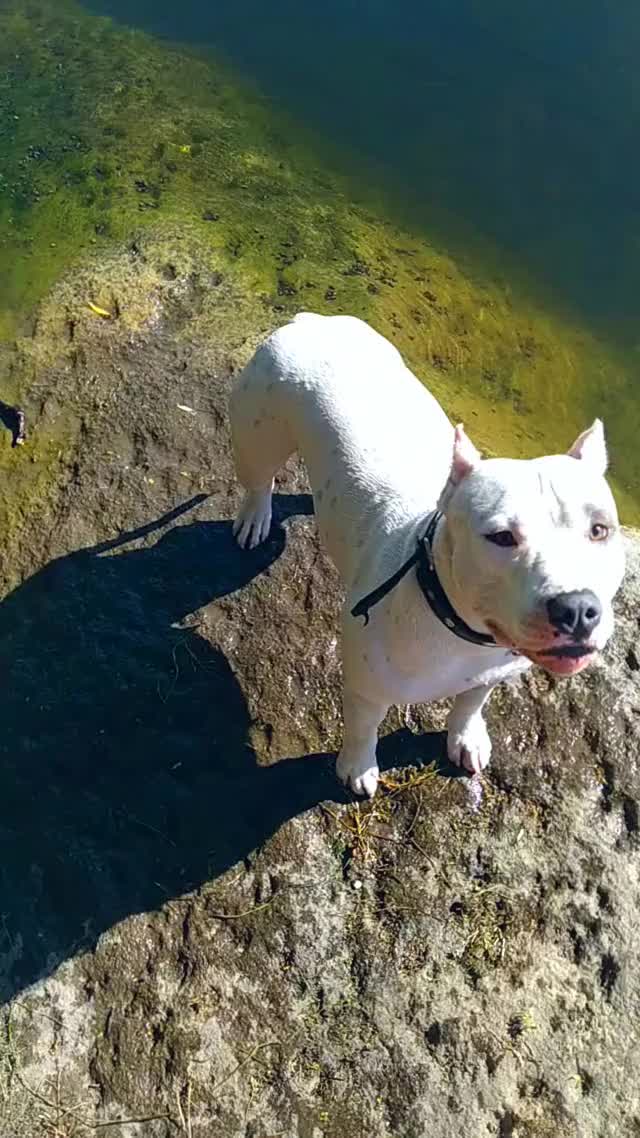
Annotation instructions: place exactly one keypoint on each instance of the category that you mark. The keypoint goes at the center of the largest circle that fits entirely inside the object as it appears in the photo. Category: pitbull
(460, 572)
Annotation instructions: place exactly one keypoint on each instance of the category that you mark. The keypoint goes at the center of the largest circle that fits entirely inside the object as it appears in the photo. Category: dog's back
(376, 444)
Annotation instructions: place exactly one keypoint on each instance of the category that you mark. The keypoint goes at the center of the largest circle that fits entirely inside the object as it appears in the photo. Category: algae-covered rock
(107, 134)
(200, 935)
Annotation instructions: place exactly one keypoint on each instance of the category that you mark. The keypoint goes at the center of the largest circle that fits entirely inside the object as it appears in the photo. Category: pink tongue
(565, 665)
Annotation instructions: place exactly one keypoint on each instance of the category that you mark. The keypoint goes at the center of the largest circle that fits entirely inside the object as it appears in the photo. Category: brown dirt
(198, 930)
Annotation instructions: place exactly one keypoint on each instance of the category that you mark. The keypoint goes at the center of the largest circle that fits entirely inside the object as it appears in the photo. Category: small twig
(189, 1130)
(125, 1121)
(332, 814)
(409, 909)
(531, 1056)
(58, 1104)
(61, 1111)
(83, 1121)
(185, 1119)
(176, 675)
(246, 913)
(76, 1118)
(415, 819)
(181, 1117)
(389, 838)
(180, 1111)
(147, 826)
(248, 1059)
(416, 845)
(506, 1047)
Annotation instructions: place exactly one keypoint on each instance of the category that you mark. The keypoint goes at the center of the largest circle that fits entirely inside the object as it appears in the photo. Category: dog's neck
(433, 562)
(442, 549)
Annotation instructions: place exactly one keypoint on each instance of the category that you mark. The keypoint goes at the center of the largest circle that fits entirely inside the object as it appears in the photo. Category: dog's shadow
(125, 774)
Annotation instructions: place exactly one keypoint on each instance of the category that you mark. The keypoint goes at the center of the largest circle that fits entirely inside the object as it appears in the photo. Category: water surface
(462, 175)
(514, 121)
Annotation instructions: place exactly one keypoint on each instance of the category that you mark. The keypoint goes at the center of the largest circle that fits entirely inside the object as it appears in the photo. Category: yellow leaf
(99, 311)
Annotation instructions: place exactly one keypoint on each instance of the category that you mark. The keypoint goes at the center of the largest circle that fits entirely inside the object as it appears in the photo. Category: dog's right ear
(465, 456)
(464, 459)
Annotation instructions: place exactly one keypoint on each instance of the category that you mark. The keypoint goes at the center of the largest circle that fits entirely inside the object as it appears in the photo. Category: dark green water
(516, 122)
(462, 175)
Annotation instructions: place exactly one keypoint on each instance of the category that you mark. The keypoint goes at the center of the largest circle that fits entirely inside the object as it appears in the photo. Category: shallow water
(462, 175)
(519, 124)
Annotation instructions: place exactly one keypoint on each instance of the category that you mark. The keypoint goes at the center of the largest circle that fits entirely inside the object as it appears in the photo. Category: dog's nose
(575, 614)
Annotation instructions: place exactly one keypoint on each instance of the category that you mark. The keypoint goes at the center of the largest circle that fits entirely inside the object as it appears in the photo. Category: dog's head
(533, 549)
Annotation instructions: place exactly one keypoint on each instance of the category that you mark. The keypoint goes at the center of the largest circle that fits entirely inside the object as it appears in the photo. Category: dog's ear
(464, 459)
(465, 456)
(591, 447)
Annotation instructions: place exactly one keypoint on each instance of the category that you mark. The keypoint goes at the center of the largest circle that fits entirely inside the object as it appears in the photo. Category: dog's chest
(441, 669)
(406, 655)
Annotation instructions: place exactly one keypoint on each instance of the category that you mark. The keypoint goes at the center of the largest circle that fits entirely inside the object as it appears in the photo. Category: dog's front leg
(356, 765)
(468, 742)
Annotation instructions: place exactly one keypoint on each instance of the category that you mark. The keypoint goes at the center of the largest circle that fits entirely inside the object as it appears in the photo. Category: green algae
(30, 477)
(107, 134)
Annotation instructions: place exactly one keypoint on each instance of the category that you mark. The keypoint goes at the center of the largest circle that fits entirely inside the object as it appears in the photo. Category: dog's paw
(253, 523)
(360, 777)
(471, 747)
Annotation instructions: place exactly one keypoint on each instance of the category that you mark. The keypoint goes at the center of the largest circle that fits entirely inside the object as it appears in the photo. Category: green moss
(106, 133)
(30, 477)
(488, 918)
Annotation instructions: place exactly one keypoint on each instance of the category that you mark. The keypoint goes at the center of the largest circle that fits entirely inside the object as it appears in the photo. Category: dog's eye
(504, 538)
(599, 532)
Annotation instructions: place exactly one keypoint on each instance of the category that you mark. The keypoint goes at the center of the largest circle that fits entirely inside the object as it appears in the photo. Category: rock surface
(199, 933)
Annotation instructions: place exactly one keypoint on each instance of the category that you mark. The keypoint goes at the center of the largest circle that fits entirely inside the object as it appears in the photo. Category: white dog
(459, 571)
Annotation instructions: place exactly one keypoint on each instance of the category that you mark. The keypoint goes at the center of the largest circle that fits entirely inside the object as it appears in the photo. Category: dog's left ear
(591, 447)
(465, 456)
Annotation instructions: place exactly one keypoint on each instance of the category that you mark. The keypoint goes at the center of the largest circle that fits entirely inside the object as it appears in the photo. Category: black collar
(431, 588)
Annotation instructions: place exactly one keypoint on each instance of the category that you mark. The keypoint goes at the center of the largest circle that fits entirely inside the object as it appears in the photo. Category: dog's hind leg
(253, 522)
(261, 445)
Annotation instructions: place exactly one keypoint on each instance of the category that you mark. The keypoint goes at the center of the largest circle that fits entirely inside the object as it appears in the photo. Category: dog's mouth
(561, 660)
(564, 660)
(571, 650)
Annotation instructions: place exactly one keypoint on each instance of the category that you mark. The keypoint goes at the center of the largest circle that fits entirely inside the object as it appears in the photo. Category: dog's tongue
(563, 665)
(557, 665)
